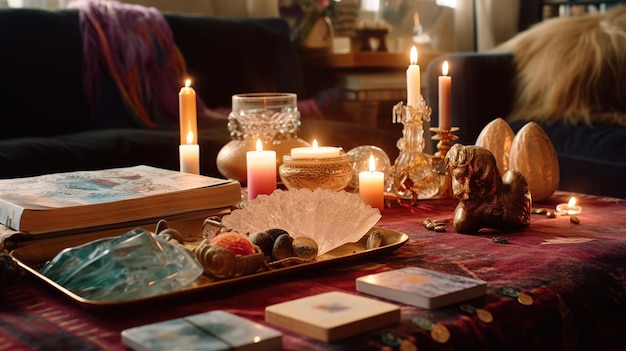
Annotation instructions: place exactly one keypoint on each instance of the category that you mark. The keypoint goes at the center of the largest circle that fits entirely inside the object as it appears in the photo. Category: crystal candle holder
(334, 173)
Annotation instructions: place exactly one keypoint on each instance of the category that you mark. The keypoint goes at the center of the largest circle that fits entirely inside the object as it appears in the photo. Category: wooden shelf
(366, 60)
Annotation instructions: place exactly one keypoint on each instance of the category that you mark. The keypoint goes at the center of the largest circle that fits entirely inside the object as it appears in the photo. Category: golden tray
(32, 255)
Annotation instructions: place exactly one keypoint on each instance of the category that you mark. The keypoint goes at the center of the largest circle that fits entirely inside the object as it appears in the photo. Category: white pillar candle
(315, 151)
(445, 98)
(261, 171)
(413, 88)
(189, 156)
(187, 113)
(372, 186)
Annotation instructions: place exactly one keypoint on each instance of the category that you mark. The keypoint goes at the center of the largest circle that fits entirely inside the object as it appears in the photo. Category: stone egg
(533, 155)
(497, 137)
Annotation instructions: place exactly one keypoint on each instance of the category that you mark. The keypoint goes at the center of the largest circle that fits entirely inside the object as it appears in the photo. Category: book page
(94, 187)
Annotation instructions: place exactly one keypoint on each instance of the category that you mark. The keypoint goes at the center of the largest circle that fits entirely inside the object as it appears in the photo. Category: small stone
(305, 247)
(283, 247)
(574, 219)
(374, 240)
(439, 228)
(550, 214)
(264, 241)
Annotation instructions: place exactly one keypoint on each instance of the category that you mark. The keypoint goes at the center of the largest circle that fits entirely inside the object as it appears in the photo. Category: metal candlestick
(445, 138)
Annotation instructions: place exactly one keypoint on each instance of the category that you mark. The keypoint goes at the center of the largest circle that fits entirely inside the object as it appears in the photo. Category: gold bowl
(334, 173)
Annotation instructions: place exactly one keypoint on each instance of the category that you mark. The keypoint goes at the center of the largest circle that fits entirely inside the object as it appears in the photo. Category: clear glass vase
(413, 176)
(272, 118)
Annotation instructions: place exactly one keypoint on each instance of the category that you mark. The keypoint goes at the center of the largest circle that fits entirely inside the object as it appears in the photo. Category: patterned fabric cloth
(575, 274)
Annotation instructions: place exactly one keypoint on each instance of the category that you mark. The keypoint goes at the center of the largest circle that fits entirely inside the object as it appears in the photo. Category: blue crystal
(132, 266)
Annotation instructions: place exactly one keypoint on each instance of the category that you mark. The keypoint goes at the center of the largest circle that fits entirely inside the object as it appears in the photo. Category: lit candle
(315, 151)
(261, 171)
(445, 98)
(569, 208)
(189, 154)
(372, 186)
(413, 79)
(187, 113)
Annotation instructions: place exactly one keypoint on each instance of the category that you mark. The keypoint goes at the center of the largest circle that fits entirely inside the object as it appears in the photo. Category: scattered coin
(391, 339)
(440, 333)
(406, 345)
(539, 210)
(510, 292)
(525, 299)
(467, 308)
(422, 323)
(499, 240)
(484, 315)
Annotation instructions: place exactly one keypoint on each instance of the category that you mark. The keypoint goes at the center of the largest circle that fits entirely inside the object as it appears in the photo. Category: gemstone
(134, 265)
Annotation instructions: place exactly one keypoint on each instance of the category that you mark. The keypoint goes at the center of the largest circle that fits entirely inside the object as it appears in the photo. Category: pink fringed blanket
(132, 67)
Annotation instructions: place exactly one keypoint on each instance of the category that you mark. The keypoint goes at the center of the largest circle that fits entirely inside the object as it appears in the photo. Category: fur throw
(572, 69)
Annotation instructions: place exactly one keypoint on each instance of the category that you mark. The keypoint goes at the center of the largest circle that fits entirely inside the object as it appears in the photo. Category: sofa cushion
(591, 159)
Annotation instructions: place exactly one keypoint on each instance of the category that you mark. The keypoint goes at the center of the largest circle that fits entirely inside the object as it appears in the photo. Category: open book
(83, 199)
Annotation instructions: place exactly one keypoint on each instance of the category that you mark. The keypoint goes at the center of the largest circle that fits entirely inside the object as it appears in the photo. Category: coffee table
(575, 275)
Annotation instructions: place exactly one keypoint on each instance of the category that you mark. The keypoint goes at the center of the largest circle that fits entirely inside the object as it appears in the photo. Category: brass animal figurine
(487, 200)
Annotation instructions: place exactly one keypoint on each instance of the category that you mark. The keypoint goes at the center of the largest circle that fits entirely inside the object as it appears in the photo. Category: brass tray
(33, 255)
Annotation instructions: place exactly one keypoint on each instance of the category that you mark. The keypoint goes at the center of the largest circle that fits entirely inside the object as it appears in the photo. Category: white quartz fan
(533, 154)
(331, 218)
(497, 137)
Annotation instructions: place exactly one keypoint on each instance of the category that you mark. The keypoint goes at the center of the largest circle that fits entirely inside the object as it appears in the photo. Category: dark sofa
(592, 159)
(45, 123)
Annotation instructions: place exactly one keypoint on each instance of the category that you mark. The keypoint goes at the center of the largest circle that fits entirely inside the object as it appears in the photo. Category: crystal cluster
(331, 218)
(132, 266)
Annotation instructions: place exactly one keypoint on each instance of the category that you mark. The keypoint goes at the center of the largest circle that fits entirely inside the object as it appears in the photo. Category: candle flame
(315, 145)
(188, 83)
(259, 145)
(372, 163)
(413, 56)
(444, 68)
(572, 202)
(189, 138)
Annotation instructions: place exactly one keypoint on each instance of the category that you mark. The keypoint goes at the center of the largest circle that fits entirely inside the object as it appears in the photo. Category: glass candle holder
(334, 173)
(272, 118)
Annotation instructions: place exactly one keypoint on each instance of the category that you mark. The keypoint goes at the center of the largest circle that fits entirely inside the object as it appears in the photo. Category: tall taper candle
(445, 98)
(261, 171)
(413, 89)
(188, 113)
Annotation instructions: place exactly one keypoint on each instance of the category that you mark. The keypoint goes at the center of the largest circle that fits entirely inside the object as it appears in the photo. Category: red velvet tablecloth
(575, 273)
